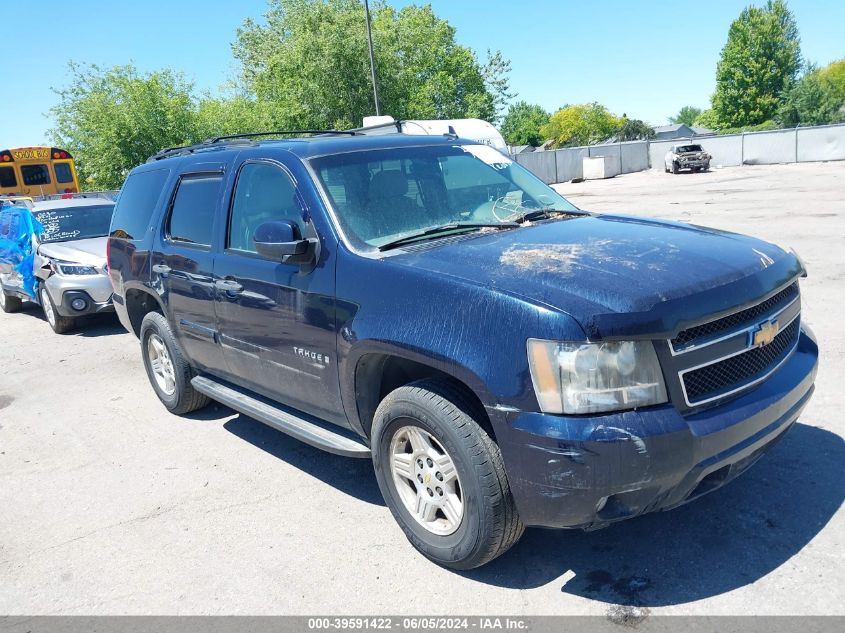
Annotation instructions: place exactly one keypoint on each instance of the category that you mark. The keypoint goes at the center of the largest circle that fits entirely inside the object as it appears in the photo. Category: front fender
(475, 334)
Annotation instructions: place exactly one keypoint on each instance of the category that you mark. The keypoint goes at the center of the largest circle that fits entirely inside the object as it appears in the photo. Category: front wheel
(442, 476)
(57, 322)
(675, 168)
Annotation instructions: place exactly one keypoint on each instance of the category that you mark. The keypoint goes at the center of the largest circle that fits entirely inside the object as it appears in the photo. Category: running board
(281, 419)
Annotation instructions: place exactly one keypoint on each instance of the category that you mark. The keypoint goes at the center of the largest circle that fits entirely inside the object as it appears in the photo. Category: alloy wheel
(47, 305)
(426, 480)
(161, 364)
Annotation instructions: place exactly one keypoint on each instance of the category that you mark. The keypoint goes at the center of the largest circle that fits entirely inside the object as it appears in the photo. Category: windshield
(74, 223)
(380, 196)
(683, 149)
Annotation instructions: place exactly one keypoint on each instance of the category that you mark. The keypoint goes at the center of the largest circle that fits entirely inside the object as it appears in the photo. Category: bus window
(7, 177)
(35, 174)
(63, 172)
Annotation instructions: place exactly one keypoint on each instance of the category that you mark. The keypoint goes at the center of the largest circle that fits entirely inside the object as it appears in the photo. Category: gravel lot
(109, 505)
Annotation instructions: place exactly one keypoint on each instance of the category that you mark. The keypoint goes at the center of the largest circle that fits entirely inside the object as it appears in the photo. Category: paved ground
(109, 505)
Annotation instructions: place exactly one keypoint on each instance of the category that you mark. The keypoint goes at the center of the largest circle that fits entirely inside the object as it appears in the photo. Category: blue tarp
(17, 227)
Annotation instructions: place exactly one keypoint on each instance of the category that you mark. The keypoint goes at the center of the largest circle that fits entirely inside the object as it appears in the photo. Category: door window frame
(297, 196)
(165, 226)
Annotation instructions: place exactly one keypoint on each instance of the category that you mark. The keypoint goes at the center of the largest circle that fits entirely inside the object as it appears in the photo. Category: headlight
(593, 377)
(74, 269)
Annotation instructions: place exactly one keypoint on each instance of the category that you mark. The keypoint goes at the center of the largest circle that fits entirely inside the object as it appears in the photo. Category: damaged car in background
(686, 156)
(54, 254)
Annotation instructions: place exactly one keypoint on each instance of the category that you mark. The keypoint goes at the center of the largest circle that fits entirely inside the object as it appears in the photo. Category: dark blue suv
(504, 358)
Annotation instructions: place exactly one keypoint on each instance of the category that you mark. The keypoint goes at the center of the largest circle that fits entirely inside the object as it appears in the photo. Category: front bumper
(694, 164)
(589, 471)
(94, 290)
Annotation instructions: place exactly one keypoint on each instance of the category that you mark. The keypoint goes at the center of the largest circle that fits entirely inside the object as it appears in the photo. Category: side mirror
(280, 241)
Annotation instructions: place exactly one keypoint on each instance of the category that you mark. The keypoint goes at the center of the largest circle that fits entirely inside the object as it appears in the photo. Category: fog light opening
(78, 304)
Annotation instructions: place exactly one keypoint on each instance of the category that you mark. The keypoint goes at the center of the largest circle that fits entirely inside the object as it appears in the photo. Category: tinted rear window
(192, 212)
(63, 172)
(35, 175)
(136, 204)
(7, 177)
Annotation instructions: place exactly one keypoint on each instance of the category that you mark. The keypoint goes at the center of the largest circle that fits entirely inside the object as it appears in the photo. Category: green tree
(583, 124)
(113, 119)
(812, 100)
(633, 130)
(707, 119)
(686, 115)
(759, 61)
(233, 115)
(833, 78)
(310, 61)
(522, 123)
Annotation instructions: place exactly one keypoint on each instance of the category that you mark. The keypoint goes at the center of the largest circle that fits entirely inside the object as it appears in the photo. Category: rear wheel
(59, 323)
(168, 371)
(8, 303)
(442, 476)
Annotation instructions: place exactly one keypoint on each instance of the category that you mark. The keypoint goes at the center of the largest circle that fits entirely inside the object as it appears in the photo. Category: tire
(675, 169)
(172, 385)
(8, 303)
(489, 523)
(56, 321)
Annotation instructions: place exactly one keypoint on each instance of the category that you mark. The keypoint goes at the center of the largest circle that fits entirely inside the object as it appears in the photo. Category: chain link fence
(793, 145)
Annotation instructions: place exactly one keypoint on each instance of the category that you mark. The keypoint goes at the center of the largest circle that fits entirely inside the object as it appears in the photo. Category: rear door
(182, 263)
(277, 321)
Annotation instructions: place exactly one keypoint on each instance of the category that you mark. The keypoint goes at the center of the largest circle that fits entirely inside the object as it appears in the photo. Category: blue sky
(645, 59)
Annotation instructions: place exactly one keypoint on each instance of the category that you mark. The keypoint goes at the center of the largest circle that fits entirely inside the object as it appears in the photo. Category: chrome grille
(700, 333)
(745, 369)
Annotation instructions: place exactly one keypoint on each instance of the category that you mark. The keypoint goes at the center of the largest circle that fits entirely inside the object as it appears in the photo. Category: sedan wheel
(49, 312)
(59, 323)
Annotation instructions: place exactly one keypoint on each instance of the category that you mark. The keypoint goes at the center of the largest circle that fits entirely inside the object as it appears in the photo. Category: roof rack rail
(217, 139)
(181, 149)
(244, 137)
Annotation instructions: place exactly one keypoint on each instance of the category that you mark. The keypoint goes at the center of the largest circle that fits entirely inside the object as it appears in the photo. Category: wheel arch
(378, 371)
(138, 303)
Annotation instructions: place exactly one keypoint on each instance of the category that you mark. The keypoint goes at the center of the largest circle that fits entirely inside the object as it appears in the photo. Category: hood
(616, 275)
(90, 252)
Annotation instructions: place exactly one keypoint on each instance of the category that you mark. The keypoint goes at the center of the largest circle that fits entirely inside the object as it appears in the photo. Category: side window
(136, 204)
(63, 172)
(263, 192)
(192, 211)
(7, 177)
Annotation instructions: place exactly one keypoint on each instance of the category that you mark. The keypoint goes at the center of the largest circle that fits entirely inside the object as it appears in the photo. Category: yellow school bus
(37, 171)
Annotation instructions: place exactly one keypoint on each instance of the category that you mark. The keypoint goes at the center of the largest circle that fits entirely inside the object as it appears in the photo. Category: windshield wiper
(433, 231)
(539, 214)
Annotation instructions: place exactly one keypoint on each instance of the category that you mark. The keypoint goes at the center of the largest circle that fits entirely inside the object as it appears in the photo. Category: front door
(276, 321)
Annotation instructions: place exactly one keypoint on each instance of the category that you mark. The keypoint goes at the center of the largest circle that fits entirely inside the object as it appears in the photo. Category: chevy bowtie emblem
(765, 334)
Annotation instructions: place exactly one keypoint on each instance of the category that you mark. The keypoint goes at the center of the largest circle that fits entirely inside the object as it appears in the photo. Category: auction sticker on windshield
(487, 154)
